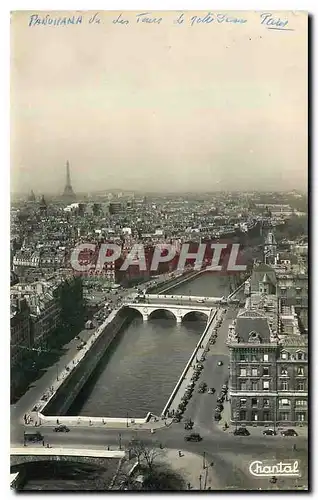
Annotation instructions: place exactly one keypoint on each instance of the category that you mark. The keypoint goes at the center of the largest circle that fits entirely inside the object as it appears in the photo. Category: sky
(162, 106)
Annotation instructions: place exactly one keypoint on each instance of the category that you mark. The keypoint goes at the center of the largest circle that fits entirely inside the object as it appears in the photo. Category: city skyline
(191, 109)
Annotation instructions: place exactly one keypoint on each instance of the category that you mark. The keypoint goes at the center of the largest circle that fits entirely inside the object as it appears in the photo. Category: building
(268, 374)
(20, 329)
(115, 207)
(54, 302)
(268, 351)
(253, 382)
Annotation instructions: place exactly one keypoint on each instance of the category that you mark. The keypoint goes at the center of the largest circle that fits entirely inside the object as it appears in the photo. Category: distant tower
(270, 248)
(31, 197)
(68, 190)
(43, 205)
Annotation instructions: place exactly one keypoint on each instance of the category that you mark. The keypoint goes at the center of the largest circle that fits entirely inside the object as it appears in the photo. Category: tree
(162, 478)
(143, 453)
(156, 475)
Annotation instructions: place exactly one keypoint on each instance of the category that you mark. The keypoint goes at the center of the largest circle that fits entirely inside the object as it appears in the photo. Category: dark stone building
(268, 375)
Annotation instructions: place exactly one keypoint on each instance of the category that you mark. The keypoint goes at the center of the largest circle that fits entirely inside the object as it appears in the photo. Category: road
(221, 449)
(201, 406)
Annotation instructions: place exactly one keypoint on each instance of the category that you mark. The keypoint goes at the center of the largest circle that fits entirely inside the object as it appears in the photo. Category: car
(241, 431)
(289, 432)
(200, 301)
(61, 428)
(220, 363)
(193, 437)
(269, 432)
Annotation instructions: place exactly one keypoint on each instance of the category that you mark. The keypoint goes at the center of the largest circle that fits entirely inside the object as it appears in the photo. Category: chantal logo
(286, 469)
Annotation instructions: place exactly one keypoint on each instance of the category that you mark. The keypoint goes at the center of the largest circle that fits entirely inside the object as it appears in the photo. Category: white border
(310, 6)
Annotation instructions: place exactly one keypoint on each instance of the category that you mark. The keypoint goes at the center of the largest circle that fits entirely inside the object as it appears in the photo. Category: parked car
(220, 363)
(219, 407)
(241, 431)
(61, 428)
(217, 415)
(269, 432)
(220, 399)
(32, 436)
(193, 437)
(203, 387)
(289, 432)
(188, 424)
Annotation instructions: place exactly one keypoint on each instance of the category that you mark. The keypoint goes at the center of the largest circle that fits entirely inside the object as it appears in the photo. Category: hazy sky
(159, 107)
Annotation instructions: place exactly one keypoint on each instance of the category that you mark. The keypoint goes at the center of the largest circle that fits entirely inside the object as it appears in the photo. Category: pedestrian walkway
(72, 452)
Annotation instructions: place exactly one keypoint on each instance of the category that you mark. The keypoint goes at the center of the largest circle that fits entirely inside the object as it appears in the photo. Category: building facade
(20, 330)
(268, 374)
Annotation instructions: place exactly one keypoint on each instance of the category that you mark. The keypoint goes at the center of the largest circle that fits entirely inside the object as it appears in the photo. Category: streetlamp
(204, 460)
(57, 371)
(127, 420)
(119, 438)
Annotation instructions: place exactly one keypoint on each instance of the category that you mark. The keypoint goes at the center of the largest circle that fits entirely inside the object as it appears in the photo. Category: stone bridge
(23, 455)
(179, 311)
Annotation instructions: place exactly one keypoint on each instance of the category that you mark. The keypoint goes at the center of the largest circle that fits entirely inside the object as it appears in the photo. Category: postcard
(159, 251)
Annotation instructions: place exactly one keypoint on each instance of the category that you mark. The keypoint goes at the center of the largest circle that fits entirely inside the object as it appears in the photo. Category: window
(242, 415)
(265, 357)
(243, 357)
(254, 401)
(300, 355)
(283, 291)
(298, 301)
(243, 372)
(284, 371)
(266, 416)
(285, 385)
(284, 416)
(254, 416)
(284, 355)
(242, 402)
(254, 385)
(266, 403)
(284, 402)
(301, 402)
(300, 386)
(254, 358)
(266, 371)
(266, 385)
(301, 417)
(243, 386)
(254, 372)
(300, 371)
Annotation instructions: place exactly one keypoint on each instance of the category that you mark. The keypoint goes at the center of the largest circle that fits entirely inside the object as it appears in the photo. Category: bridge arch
(137, 310)
(196, 315)
(162, 313)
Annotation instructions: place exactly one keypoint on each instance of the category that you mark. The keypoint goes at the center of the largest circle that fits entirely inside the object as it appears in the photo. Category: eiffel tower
(68, 194)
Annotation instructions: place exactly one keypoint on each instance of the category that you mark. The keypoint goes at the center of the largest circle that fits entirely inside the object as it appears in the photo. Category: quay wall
(69, 389)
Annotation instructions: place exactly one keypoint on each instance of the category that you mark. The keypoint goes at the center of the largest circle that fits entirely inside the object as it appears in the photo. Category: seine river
(141, 370)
